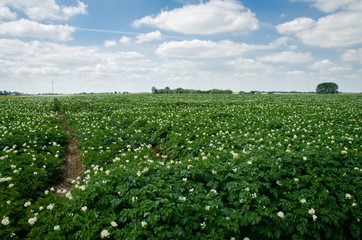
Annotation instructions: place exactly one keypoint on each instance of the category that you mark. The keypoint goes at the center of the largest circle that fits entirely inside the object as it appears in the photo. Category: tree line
(4, 92)
(167, 90)
(323, 88)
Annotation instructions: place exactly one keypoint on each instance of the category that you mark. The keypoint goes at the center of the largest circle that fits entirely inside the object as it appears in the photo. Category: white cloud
(336, 30)
(342, 29)
(28, 28)
(260, 73)
(50, 54)
(82, 68)
(6, 13)
(198, 49)
(147, 37)
(46, 9)
(125, 40)
(110, 43)
(45, 71)
(323, 64)
(278, 42)
(330, 5)
(214, 16)
(181, 65)
(294, 73)
(210, 49)
(72, 10)
(352, 55)
(248, 64)
(33, 65)
(287, 57)
(339, 69)
(297, 25)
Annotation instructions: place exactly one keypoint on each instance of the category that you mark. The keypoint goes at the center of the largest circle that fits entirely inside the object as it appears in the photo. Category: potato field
(182, 167)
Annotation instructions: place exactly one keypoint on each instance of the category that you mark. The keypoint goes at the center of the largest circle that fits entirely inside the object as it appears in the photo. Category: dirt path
(72, 161)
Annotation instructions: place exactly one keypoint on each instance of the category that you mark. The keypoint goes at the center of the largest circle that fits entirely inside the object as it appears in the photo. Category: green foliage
(167, 90)
(32, 144)
(327, 88)
(208, 167)
(4, 92)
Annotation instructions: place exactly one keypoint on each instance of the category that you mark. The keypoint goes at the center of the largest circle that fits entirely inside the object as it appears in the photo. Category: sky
(132, 45)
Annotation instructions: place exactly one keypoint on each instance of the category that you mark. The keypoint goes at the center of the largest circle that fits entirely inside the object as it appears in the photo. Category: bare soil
(72, 161)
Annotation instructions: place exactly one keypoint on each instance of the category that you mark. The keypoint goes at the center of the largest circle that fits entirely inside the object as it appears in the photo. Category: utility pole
(52, 87)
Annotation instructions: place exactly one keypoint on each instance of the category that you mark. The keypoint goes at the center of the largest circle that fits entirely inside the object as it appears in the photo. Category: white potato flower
(105, 234)
(280, 214)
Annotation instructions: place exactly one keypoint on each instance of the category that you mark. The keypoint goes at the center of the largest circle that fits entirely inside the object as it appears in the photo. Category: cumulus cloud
(45, 71)
(330, 5)
(38, 16)
(214, 16)
(75, 10)
(110, 43)
(295, 26)
(325, 66)
(209, 49)
(78, 66)
(28, 28)
(248, 64)
(125, 40)
(93, 69)
(287, 57)
(341, 29)
(352, 55)
(6, 13)
(255, 72)
(295, 73)
(336, 30)
(37, 54)
(339, 69)
(46, 9)
(198, 49)
(147, 37)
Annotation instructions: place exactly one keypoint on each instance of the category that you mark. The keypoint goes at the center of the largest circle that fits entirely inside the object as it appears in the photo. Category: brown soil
(72, 161)
(156, 151)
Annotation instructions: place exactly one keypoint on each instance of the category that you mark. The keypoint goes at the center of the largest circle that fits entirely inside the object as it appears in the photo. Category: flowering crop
(210, 167)
(32, 144)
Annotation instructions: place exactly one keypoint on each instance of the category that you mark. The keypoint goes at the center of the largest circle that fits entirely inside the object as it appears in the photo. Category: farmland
(183, 167)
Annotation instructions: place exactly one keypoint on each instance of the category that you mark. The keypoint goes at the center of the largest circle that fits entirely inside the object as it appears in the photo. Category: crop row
(210, 167)
(32, 144)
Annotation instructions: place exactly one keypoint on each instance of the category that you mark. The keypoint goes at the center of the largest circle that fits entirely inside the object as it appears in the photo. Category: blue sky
(122, 45)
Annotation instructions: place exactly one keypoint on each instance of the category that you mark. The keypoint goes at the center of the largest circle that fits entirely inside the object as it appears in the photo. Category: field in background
(184, 167)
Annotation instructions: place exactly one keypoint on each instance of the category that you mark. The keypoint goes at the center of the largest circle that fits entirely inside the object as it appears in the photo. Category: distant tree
(178, 90)
(220, 91)
(154, 90)
(327, 88)
(168, 90)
